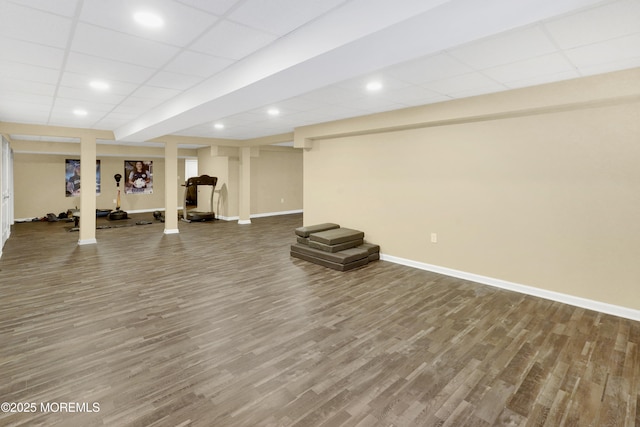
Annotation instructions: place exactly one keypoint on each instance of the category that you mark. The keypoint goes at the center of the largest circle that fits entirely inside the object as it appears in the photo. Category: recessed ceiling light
(374, 86)
(80, 112)
(99, 85)
(218, 126)
(273, 111)
(148, 19)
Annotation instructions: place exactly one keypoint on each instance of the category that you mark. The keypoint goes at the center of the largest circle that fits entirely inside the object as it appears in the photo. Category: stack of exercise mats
(331, 246)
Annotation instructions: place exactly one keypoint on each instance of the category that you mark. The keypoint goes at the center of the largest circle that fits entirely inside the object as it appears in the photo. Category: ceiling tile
(175, 81)
(280, 16)
(551, 64)
(23, 23)
(231, 40)
(107, 69)
(39, 101)
(182, 24)
(609, 52)
(333, 95)
(206, 39)
(30, 53)
(428, 69)
(155, 93)
(88, 95)
(359, 84)
(29, 73)
(20, 86)
(23, 113)
(197, 64)
(82, 81)
(414, 95)
(297, 104)
(108, 44)
(217, 7)
(507, 47)
(58, 7)
(544, 78)
(465, 85)
(597, 24)
(371, 104)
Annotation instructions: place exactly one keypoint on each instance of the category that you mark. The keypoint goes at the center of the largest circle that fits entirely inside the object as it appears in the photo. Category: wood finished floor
(219, 326)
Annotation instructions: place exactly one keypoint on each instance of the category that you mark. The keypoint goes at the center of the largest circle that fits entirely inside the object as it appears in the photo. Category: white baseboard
(602, 307)
(87, 242)
(171, 231)
(260, 215)
(224, 218)
(244, 221)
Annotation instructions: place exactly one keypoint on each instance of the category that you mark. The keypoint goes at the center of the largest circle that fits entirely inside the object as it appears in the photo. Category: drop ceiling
(227, 62)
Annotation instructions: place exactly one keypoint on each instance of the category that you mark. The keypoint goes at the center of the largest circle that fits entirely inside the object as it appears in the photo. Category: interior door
(6, 189)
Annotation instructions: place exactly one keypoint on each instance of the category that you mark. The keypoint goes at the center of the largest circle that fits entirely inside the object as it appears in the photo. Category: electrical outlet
(282, 200)
(434, 238)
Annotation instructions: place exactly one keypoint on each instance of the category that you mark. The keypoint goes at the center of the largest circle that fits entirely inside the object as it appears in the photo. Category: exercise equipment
(117, 214)
(193, 215)
(158, 216)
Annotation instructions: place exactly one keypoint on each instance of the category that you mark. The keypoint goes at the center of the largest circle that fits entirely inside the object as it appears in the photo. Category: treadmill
(192, 185)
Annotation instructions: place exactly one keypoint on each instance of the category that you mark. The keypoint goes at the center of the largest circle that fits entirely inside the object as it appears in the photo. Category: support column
(245, 186)
(87, 190)
(171, 188)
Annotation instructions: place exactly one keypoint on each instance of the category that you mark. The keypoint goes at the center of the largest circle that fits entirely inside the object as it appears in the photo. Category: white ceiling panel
(197, 64)
(472, 84)
(217, 7)
(82, 81)
(66, 105)
(24, 23)
(309, 58)
(28, 73)
(176, 81)
(414, 95)
(609, 21)
(88, 95)
(532, 68)
(297, 104)
(43, 101)
(155, 93)
(137, 104)
(428, 69)
(608, 52)
(182, 24)
(542, 79)
(58, 7)
(372, 104)
(30, 53)
(107, 69)
(333, 95)
(92, 40)
(231, 40)
(280, 16)
(507, 47)
(23, 113)
(19, 86)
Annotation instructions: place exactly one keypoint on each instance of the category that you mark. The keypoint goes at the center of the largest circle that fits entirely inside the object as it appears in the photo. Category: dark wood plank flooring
(219, 326)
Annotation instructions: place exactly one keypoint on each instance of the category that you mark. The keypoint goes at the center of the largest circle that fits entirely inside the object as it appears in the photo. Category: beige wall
(39, 182)
(276, 180)
(545, 196)
(39, 178)
(276, 174)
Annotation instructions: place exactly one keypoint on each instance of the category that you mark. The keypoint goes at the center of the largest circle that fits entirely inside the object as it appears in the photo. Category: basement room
(319, 213)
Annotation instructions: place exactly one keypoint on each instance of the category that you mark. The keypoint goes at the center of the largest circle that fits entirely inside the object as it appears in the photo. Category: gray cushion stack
(331, 246)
